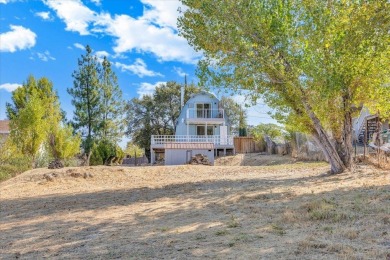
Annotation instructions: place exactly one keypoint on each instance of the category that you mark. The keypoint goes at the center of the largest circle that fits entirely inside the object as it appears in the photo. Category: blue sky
(139, 37)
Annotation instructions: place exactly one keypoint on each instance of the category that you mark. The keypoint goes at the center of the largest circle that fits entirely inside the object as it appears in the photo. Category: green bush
(71, 162)
(13, 167)
(96, 158)
(102, 151)
(12, 162)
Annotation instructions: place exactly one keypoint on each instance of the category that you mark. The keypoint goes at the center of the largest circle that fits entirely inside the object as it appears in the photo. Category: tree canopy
(272, 130)
(313, 62)
(236, 114)
(36, 122)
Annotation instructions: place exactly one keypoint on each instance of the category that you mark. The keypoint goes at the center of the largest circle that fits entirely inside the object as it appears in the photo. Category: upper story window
(203, 110)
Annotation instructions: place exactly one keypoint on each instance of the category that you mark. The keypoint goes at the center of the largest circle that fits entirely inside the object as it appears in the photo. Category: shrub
(12, 162)
(105, 150)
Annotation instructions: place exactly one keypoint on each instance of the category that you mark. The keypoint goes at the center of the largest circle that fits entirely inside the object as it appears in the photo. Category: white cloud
(147, 88)
(154, 32)
(179, 71)
(44, 15)
(75, 15)
(162, 13)
(101, 54)
(96, 2)
(45, 56)
(6, 1)
(138, 68)
(18, 38)
(10, 86)
(142, 36)
(79, 46)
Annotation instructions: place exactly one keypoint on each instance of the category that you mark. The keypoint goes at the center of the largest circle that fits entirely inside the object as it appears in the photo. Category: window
(203, 110)
(210, 130)
(201, 130)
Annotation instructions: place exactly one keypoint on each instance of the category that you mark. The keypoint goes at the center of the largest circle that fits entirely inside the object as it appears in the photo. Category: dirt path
(287, 211)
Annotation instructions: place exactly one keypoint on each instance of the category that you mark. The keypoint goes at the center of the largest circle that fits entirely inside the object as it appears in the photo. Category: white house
(202, 127)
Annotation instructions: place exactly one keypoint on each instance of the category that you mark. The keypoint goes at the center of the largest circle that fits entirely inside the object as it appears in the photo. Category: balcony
(158, 141)
(203, 116)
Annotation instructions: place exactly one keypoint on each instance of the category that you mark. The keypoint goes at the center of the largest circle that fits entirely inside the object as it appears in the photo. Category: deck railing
(205, 113)
(215, 139)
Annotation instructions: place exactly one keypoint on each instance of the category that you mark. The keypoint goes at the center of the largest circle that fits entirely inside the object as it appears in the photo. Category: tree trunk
(344, 145)
(148, 154)
(347, 133)
(88, 158)
(329, 150)
(33, 163)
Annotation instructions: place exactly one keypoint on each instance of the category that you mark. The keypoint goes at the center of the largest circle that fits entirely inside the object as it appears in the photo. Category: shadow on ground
(237, 219)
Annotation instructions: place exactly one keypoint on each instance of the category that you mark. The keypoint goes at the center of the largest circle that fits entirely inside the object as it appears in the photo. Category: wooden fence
(247, 145)
(135, 161)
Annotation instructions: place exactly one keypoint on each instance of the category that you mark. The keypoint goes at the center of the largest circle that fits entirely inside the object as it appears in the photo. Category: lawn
(291, 210)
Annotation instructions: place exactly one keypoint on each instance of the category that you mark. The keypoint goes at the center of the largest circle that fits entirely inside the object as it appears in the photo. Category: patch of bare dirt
(284, 211)
(254, 159)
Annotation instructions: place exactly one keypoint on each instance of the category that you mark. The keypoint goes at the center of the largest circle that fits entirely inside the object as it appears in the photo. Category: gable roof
(4, 127)
(202, 92)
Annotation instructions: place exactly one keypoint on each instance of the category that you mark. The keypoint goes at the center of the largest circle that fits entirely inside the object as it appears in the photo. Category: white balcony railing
(205, 113)
(215, 139)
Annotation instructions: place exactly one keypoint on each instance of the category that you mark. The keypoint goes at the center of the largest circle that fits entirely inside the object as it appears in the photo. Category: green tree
(242, 122)
(235, 113)
(35, 112)
(29, 128)
(134, 150)
(87, 99)
(313, 62)
(272, 130)
(112, 105)
(142, 123)
(36, 117)
(102, 151)
(42, 89)
(62, 143)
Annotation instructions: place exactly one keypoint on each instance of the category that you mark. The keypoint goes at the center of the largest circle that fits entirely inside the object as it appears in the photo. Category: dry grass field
(280, 210)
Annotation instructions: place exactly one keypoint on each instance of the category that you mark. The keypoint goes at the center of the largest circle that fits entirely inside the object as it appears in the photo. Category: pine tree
(86, 99)
(112, 105)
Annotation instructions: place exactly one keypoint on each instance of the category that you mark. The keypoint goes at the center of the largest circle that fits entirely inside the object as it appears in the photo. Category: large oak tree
(314, 62)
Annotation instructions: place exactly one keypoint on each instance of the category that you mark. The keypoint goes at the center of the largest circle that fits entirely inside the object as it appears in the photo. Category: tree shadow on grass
(214, 219)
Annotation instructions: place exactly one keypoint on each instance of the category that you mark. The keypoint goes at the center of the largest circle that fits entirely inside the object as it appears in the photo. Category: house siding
(179, 156)
(201, 98)
(186, 131)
